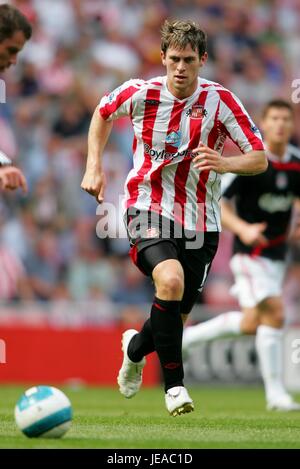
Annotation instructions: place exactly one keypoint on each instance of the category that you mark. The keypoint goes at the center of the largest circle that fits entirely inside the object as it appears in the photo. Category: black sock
(167, 330)
(141, 344)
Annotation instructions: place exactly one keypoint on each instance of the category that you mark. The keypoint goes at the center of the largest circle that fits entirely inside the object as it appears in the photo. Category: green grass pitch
(223, 418)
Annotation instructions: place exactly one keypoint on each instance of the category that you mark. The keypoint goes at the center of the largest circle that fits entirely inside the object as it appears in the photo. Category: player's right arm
(93, 180)
(10, 177)
(112, 106)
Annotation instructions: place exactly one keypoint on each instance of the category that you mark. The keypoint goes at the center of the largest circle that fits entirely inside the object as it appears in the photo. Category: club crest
(197, 111)
(281, 180)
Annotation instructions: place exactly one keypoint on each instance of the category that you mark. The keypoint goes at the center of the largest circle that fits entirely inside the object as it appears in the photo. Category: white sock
(270, 354)
(223, 325)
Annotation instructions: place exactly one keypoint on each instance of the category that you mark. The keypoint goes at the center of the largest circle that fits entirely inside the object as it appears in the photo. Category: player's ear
(203, 59)
(163, 57)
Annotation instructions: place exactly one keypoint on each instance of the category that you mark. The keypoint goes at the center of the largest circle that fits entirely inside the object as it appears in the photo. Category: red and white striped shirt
(166, 130)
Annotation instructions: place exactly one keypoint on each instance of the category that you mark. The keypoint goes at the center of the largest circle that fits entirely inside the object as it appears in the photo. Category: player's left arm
(234, 121)
(250, 163)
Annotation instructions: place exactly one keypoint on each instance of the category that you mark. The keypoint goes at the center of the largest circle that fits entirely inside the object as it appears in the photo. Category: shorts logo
(152, 233)
(132, 231)
(174, 138)
(197, 111)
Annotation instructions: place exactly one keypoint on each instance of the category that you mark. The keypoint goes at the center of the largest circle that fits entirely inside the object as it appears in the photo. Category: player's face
(182, 70)
(277, 125)
(9, 49)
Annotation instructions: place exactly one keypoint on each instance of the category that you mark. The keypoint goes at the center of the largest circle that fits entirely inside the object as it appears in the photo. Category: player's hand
(252, 234)
(94, 183)
(12, 178)
(207, 159)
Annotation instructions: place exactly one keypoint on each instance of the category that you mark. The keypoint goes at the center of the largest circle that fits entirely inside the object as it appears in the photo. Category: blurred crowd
(80, 50)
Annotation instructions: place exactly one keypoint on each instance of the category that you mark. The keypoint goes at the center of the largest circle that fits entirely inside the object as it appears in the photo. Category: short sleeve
(238, 124)
(118, 103)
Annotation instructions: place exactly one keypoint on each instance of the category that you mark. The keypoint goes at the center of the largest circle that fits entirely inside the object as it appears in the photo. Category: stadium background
(66, 295)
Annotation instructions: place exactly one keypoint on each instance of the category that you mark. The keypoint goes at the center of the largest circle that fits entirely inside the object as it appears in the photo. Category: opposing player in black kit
(260, 220)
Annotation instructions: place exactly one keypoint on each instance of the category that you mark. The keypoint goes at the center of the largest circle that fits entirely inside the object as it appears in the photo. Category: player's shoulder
(131, 89)
(152, 83)
(293, 161)
(137, 87)
(216, 91)
(213, 86)
(294, 154)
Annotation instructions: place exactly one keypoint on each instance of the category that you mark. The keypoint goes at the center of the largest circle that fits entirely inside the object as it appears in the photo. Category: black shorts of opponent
(154, 239)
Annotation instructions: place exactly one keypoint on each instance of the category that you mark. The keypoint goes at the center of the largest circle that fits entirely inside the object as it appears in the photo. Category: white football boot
(283, 402)
(130, 374)
(178, 401)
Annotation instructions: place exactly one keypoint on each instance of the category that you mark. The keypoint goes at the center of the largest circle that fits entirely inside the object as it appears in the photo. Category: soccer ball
(43, 411)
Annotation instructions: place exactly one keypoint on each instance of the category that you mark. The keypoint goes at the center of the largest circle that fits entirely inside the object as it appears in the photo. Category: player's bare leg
(250, 321)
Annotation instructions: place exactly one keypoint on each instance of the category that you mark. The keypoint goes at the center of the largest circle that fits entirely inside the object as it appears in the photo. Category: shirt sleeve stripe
(107, 108)
(242, 120)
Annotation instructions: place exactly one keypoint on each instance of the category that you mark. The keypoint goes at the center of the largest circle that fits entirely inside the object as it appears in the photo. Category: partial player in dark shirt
(258, 210)
(269, 200)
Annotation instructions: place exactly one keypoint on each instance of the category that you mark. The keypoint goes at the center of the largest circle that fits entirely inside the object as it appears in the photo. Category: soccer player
(15, 30)
(259, 217)
(180, 123)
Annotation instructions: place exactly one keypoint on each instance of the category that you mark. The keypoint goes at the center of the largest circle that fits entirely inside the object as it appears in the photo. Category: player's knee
(249, 325)
(278, 319)
(272, 312)
(170, 286)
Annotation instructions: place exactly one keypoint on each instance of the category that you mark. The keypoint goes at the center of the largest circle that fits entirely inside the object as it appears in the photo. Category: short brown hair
(278, 104)
(12, 20)
(179, 34)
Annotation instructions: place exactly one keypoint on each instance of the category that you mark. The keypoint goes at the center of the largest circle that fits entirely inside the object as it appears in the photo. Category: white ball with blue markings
(43, 411)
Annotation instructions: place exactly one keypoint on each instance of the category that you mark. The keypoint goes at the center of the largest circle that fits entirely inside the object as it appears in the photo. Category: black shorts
(154, 239)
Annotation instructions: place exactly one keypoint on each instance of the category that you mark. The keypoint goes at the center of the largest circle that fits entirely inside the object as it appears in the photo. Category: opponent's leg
(227, 324)
(270, 352)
